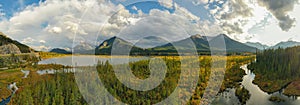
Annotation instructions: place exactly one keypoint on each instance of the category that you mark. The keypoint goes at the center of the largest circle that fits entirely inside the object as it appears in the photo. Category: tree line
(278, 63)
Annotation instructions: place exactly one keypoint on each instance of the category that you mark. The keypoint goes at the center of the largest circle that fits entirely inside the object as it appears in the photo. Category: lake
(86, 61)
(90, 60)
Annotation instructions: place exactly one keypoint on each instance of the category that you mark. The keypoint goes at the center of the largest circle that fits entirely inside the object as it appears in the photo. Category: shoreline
(272, 89)
(273, 86)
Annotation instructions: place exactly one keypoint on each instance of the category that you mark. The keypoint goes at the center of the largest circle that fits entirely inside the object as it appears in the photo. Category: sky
(47, 24)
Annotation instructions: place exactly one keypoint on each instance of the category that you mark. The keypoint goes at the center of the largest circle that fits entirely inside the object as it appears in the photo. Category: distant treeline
(278, 64)
(168, 53)
(17, 60)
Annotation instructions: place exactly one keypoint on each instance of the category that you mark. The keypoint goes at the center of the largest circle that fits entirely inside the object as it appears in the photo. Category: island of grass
(243, 94)
(270, 85)
(293, 89)
(276, 99)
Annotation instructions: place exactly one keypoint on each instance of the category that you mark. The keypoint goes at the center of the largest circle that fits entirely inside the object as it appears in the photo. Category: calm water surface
(90, 60)
(258, 97)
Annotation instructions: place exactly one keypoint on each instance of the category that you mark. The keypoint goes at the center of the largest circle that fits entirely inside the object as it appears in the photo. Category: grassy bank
(270, 86)
(293, 89)
(48, 55)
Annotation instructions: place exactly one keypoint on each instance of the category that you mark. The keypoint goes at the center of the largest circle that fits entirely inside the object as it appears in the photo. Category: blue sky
(145, 7)
(11, 6)
(198, 10)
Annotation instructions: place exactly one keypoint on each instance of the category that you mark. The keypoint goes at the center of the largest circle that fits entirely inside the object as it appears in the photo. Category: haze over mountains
(158, 46)
(197, 42)
(284, 44)
(149, 45)
(257, 45)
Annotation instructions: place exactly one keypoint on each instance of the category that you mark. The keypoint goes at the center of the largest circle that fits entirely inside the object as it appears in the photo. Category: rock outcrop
(9, 49)
(9, 46)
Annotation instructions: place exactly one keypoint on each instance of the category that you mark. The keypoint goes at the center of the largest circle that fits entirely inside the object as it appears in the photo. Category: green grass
(270, 86)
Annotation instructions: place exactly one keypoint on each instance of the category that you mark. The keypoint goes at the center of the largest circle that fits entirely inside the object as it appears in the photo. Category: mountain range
(84, 48)
(200, 43)
(257, 45)
(157, 46)
(284, 44)
(61, 51)
(117, 46)
(151, 45)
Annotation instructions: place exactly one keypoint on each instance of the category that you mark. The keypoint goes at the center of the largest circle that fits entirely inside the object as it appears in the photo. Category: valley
(43, 85)
(51, 76)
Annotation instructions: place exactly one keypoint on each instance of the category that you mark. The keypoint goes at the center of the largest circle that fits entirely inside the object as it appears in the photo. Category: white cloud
(42, 41)
(28, 40)
(61, 17)
(171, 26)
(134, 8)
(198, 2)
(166, 3)
(2, 13)
(41, 48)
(280, 10)
(233, 15)
(59, 20)
(56, 30)
(271, 33)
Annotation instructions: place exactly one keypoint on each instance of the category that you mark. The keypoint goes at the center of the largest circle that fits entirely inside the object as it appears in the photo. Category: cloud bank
(280, 9)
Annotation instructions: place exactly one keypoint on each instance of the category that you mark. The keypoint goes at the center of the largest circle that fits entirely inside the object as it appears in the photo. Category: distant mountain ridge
(84, 48)
(150, 42)
(9, 46)
(233, 46)
(61, 51)
(257, 45)
(118, 45)
(200, 43)
(285, 44)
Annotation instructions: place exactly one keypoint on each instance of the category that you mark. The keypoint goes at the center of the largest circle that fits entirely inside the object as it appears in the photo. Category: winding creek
(258, 97)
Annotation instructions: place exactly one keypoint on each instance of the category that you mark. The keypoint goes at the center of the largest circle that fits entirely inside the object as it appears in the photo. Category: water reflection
(13, 88)
(226, 98)
(26, 73)
(90, 60)
(258, 97)
(43, 72)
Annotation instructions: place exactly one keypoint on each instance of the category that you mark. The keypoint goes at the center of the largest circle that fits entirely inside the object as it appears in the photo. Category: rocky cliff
(9, 46)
